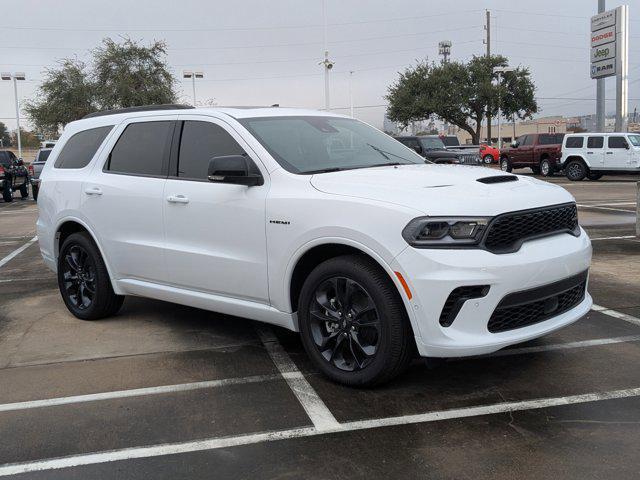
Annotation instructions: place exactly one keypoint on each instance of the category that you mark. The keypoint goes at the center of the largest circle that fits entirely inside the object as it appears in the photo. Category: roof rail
(143, 108)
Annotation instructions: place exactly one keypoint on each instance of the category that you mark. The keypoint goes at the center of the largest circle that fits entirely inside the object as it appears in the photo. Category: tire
(381, 328)
(505, 165)
(7, 195)
(488, 159)
(79, 256)
(545, 168)
(575, 170)
(593, 176)
(24, 190)
(34, 191)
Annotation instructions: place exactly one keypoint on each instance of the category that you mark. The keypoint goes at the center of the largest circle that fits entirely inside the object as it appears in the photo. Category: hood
(442, 189)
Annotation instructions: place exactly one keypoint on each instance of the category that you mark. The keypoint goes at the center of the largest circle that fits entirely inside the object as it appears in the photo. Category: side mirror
(235, 169)
(418, 149)
(514, 144)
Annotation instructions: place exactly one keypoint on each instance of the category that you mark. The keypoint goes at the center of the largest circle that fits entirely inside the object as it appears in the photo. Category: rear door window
(81, 147)
(574, 142)
(551, 139)
(200, 142)
(142, 149)
(595, 142)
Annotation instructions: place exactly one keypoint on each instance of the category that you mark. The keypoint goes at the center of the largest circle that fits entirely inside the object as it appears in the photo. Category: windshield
(431, 143)
(635, 140)
(310, 144)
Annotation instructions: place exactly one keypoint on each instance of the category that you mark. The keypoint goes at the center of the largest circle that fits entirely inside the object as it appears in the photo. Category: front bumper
(433, 274)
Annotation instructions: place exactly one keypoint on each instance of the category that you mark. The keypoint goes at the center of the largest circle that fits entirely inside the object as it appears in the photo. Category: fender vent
(498, 179)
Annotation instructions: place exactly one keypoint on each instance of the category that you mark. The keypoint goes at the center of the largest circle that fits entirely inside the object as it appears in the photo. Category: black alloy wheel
(576, 170)
(79, 277)
(345, 324)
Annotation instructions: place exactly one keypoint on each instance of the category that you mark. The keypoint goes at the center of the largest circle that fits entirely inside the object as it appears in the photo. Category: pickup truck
(541, 152)
(433, 149)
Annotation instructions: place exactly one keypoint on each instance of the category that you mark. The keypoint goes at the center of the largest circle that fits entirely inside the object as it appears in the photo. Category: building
(510, 131)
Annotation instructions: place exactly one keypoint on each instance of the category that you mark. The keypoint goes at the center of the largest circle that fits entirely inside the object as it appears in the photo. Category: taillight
(1, 170)
(30, 168)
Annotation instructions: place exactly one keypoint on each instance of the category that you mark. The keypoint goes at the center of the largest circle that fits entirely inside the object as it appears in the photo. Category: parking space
(166, 391)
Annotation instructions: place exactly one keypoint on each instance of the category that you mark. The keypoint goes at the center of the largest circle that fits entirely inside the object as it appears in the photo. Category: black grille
(457, 298)
(507, 232)
(522, 309)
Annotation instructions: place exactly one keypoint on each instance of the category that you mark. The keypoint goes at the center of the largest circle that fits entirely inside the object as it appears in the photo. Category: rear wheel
(353, 323)
(545, 168)
(505, 165)
(575, 170)
(488, 159)
(83, 279)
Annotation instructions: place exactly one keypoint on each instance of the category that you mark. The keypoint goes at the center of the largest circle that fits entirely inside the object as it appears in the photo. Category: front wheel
(83, 279)
(353, 324)
(575, 170)
(488, 159)
(505, 165)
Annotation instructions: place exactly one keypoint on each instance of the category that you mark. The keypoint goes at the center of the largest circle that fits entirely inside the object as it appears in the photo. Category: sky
(256, 52)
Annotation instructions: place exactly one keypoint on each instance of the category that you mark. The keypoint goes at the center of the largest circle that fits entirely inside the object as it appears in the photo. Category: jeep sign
(604, 52)
(603, 69)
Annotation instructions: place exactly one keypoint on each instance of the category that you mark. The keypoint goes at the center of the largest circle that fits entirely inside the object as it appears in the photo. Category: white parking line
(317, 411)
(605, 208)
(624, 237)
(262, 437)
(17, 252)
(615, 314)
(565, 346)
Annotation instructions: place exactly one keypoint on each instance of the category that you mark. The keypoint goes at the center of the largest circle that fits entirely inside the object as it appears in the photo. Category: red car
(489, 154)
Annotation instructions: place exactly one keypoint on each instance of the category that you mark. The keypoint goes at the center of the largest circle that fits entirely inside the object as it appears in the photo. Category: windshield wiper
(326, 170)
(386, 154)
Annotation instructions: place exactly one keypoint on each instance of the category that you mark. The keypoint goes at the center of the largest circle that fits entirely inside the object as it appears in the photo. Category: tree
(128, 75)
(66, 94)
(5, 137)
(28, 139)
(122, 75)
(461, 93)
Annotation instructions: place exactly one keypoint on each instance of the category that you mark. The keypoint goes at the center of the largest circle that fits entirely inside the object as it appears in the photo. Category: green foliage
(28, 139)
(123, 75)
(4, 135)
(461, 93)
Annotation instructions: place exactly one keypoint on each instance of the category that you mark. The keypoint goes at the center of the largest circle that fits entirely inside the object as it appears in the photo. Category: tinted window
(5, 159)
(201, 141)
(617, 142)
(528, 140)
(550, 139)
(450, 141)
(43, 155)
(430, 143)
(574, 142)
(142, 149)
(595, 142)
(81, 147)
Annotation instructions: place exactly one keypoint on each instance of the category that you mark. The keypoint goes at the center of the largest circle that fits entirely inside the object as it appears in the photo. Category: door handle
(93, 191)
(589, 153)
(177, 199)
(609, 153)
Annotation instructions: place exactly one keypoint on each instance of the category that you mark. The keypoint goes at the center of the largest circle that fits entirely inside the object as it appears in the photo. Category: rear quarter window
(574, 142)
(81, 147)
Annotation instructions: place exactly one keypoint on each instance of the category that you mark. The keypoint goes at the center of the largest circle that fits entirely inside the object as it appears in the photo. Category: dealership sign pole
(610, 56)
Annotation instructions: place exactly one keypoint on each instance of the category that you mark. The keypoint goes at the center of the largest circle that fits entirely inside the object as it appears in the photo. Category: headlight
(445, 232)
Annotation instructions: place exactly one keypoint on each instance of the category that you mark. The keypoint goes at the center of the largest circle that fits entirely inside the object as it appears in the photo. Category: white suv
(314, 222)
(592, 155)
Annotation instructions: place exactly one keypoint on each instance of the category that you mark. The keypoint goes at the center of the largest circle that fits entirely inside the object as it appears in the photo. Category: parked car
(13, 176)
(489, 154)
(433, 149)
(35, 168)
(312, 221)
(453, 143)
(592, 155)
(539, 151)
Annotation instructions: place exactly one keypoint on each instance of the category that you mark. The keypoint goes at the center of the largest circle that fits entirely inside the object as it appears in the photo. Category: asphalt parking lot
(166, 391)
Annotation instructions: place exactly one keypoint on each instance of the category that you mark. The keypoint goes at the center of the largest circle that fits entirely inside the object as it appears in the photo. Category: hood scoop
(498, 179)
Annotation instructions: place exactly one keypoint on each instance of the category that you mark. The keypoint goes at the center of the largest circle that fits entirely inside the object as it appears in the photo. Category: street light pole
(351, 92)
(500, 71)
(15, 77)
(193, 76)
